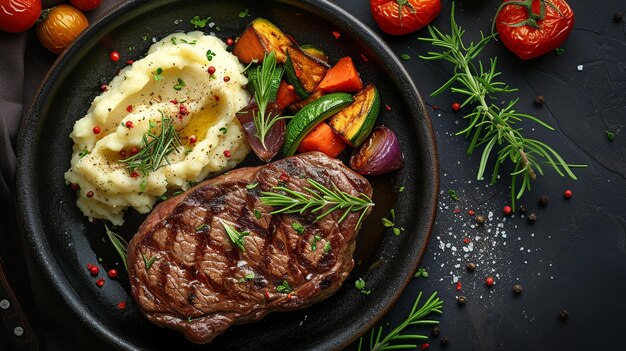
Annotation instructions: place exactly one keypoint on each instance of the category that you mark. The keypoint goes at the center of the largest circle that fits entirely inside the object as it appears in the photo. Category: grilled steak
(187, 274)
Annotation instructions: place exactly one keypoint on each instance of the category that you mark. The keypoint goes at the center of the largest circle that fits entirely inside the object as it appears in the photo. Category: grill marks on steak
(200, 283)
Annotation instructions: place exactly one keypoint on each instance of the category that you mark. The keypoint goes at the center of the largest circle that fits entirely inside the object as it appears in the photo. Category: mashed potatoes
(172, 81)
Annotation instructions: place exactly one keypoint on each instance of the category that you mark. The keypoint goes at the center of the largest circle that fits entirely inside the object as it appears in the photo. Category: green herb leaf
(143, 184)
(120, 244)
(298, 228)
(247, 277)
(327, 247)
(251, 186)
(284, 287)
(180, 84)
(201, 227)
(453, 195)
(199, 22)
(155, 149)
(210, 55)
(173, 40)
(316, 238)
(83, 153)
(405, 57)
(148, 262)
(559, 51)
(245, 13)
(316, 200)
(387, 223)
(157, 74)
(396, 231)
(360, 286)
(610, 135)
(257, 214)
(236, 237)
(401, 189)
(421, 273)
(415, 317)
(224, 130)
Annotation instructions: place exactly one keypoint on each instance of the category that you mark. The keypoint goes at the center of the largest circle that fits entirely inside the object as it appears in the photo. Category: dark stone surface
(577, 257)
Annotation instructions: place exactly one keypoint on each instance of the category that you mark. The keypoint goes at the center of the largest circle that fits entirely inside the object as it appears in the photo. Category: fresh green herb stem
(491, 126)
(120, 244)
(432, 305)
(286, 200)
(236, 237)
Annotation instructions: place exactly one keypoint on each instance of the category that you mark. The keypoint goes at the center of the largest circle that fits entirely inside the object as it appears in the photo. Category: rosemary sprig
(489, 124)
(155, 148)
(432, 305)
(120, 244)
(286, 200)
(262, 84)
(236, 237)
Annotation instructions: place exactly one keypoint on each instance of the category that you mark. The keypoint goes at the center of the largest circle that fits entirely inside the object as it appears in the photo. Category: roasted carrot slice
(322, 138)
(342, 77)
(286, 95)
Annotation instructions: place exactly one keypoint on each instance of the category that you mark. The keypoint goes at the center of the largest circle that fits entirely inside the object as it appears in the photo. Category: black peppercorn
(532, 217)
(617, 18)
(480, 219)
(522, 209)
(544, 200)
(471, 266)
(539, 100)
(445, 340)
(436, 331)
(517, 289)
(461, 300)
(563, 315)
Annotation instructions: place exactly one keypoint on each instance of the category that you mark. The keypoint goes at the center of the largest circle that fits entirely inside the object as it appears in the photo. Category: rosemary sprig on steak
(237, 237)
(155, 148)
(319, 197)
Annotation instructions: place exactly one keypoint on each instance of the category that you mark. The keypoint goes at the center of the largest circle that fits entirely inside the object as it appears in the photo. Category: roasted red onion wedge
(379, 154)
(273, 140)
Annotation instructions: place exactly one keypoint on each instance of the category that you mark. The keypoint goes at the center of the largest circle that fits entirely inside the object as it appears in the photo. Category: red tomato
(18, 15)
(404, 16)
(526, 33)
(85, 5)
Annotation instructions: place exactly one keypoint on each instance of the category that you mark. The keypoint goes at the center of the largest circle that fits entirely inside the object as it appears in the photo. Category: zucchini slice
(309, 116)
(261, 37)
(355, 122)
(315, 51)
(303, 71)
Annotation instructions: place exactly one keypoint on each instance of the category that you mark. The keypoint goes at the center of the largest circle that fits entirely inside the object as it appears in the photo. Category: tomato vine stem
(533, 18)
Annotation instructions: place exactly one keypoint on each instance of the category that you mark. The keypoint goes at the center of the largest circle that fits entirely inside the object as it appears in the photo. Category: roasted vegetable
(315, 51)
(310, 116)
(298, 105)
(342, 77)
(303, 71)
(274, 138)
(355, 122)
(286, 95)
(379, 154)
(261, 37)
(322, 138)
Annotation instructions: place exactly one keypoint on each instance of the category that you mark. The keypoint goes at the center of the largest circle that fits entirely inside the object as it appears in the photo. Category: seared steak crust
(200, 283)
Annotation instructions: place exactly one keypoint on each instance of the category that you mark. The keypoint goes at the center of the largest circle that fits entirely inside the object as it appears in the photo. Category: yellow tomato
(60, 26)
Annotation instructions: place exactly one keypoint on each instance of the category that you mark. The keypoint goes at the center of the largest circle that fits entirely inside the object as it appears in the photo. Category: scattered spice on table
(436, 331)
(617, 17)
(489, 281)
(445, 340)
(471, 266)
(532, 217)
(522, 209)
(567, 194)
(544, 200)
(461, 300)
(539, 100)
(517, 289)
(563, 315)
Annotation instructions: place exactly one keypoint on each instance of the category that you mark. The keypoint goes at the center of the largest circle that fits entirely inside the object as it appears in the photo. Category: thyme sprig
(262, 84)
(120, 244)
(432, 305)
(489, 124)
(155, 148)
(317, 198)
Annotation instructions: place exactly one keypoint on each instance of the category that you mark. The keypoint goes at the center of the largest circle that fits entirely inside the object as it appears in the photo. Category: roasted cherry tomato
(526, 32)
(86, 5)
(60, 26)
(18, 15)
(404, 16)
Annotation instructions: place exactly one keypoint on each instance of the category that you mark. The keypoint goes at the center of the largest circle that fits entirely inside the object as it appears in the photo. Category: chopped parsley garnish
(610, 135)
(193, 42)
(559, 51)
(327, 247)
(421, 273)
(192, 183)
(284, 287)
(251, 186)
(236, 237)
(199, 22)
(173, 40)
(83, 153)
(405, 57)
(401, 189)
(257, 214)
(453, 195)
(298, 228)
(202, 227)
(360, 286)
(245, 13)
(142, 186)
(180, 84)
(316, 238)
(247, 277)
(209, 55)
(224, 130)
(157, 74)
